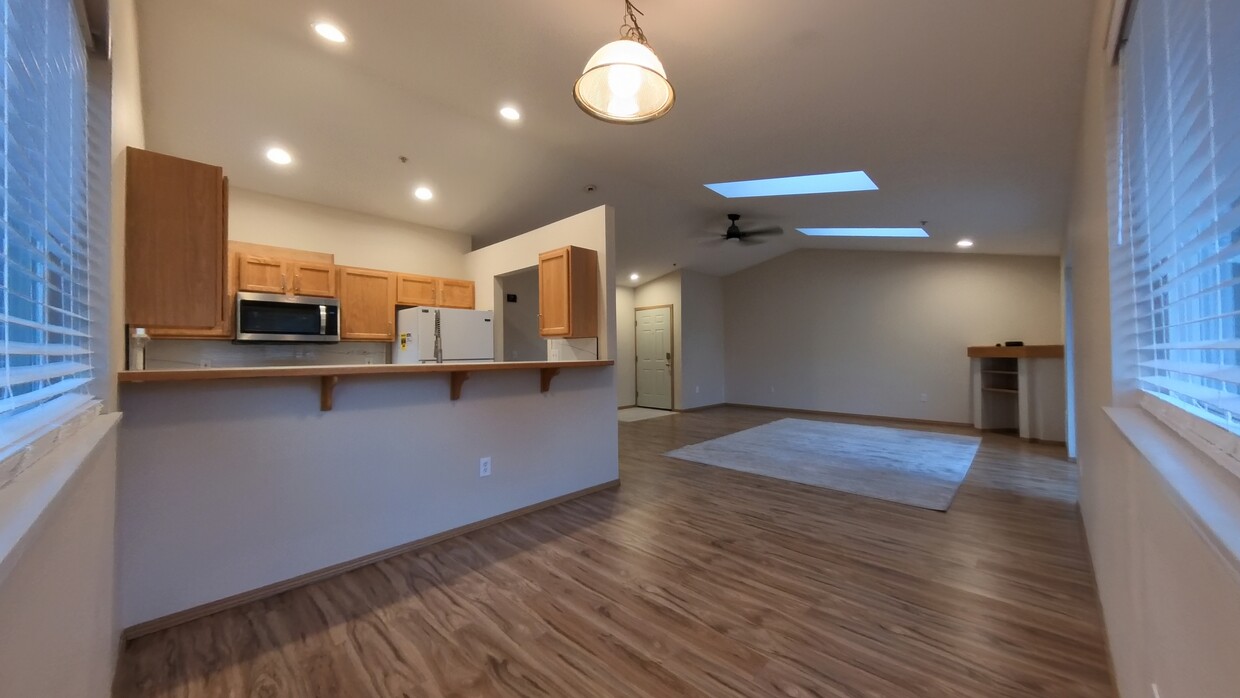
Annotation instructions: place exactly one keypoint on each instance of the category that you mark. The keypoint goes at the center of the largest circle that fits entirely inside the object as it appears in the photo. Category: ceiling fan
(743, 236)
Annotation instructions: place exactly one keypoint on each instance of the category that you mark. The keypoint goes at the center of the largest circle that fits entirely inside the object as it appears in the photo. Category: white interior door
(654, 358)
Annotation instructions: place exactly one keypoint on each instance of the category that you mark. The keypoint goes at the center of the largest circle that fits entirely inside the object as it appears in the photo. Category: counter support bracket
(327, 386)
(547, 374)
(458, 379)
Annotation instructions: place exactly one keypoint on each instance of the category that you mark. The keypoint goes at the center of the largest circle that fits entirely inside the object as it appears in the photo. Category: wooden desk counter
(1033, 351)
(329, 376)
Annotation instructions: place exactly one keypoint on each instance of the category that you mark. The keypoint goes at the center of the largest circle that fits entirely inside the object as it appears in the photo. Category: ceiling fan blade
(746, 241)
(776, 230)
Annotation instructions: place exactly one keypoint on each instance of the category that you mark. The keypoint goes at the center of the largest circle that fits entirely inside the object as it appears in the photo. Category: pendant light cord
(631, 29)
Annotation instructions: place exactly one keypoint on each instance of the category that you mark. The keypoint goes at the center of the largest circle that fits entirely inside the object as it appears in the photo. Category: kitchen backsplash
(166, 354)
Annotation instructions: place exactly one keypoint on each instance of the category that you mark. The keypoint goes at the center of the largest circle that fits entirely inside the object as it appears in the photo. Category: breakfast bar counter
(329, 375)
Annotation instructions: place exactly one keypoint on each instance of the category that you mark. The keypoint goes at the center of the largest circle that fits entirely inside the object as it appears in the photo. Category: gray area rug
(920, 468)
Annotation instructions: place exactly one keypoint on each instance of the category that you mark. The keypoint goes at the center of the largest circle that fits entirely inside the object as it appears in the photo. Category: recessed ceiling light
(330, 32)
(634, 276)
(279, 156)
(832, 183)
(423, 194)
(965, 243)
(866, 232)
(510, 113)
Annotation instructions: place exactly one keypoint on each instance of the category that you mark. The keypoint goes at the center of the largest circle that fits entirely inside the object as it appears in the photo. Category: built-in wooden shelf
(1033, 351)
(329, 376)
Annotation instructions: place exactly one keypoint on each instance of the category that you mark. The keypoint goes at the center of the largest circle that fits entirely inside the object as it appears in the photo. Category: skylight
(790, 186)
(866, 232)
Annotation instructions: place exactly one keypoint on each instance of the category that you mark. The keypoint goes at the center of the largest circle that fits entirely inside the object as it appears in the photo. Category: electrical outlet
(484, 467)
(697, 388)
(925, 397)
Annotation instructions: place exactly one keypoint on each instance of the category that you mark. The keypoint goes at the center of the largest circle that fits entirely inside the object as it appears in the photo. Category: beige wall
(665, 290)
(356, 239)
(870, 332)
(626, 349)
(128, 130)
(702, 345)
(1170, 596)
(58, 622)
(583, 230)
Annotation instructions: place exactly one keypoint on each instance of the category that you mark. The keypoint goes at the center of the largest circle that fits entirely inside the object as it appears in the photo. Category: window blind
(1179, 207)
(45, 348)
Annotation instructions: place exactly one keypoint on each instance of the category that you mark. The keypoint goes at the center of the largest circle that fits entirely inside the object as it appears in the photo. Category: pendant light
(624, 82)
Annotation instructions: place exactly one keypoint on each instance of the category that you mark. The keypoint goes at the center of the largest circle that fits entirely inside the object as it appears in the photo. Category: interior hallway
(690, 580)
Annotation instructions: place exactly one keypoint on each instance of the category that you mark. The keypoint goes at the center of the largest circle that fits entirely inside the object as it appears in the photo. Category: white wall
(870, 332)
(626, 348)
(522, 342)
(58, 624)
(1172, 605)
(355, 239)
(665, 290)
(702, 344)
(230, 486)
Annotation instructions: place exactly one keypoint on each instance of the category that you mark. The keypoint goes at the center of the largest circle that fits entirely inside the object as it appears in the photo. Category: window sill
(27, 502)
(1207, 493)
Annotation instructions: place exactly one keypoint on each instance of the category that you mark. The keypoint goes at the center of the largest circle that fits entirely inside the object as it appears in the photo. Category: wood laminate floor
(690, 580)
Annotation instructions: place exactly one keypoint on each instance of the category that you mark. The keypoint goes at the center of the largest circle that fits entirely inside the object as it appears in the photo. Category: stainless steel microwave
(272, 317)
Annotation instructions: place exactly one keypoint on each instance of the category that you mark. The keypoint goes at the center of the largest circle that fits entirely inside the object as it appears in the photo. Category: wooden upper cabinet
(287, 275)
(455, 293)
(261, 274)
(568, 293)
(412, 289)
(311, 279)
(176, 239)
(367, 304)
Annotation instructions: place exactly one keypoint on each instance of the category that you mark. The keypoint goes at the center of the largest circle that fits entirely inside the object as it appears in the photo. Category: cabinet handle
(283, 285)
(390, 329)
(297, 284)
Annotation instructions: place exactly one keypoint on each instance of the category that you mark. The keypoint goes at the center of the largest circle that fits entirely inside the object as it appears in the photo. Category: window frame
(28, 435)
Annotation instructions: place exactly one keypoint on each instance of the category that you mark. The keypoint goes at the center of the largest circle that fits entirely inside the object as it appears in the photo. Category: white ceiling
(964, 112)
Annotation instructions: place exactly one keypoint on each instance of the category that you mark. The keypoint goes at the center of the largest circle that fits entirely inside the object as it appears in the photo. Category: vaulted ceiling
(964, 112)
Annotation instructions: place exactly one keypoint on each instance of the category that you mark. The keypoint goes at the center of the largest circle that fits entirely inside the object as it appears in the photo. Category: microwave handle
(322, 319)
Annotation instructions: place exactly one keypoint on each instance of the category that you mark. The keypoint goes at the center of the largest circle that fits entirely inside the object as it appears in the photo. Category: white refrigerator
(428, 335)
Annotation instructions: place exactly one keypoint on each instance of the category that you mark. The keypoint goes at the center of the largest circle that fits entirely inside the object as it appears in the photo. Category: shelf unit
(1019, 390)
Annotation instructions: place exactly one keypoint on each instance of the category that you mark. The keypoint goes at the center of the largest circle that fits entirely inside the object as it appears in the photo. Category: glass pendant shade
(624, 83)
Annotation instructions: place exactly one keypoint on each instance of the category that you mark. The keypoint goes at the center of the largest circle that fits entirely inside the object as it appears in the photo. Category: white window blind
(1179, 148)
(45, 349)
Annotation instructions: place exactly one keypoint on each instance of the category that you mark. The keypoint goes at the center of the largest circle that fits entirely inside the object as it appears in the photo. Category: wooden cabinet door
(455, 293)
(367, 304)
(310, 279)
(175, 241)
(553, 312)
(261, 274)
(568, 293)
(412, 289)
(225, 329)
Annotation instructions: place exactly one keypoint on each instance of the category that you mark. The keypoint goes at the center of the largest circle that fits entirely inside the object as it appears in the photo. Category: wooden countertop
(329, 376)
(201, 374)
(1033, 351)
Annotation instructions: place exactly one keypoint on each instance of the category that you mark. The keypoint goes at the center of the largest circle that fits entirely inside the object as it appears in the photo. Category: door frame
(671, 332)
